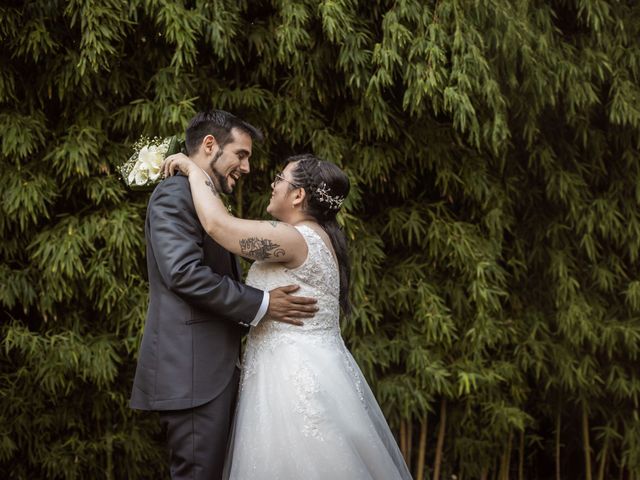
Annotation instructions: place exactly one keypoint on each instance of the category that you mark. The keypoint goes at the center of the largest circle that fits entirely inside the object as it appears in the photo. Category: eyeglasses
(279, 178)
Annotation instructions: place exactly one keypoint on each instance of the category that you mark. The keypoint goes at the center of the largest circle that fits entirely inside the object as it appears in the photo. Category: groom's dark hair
(219, 124)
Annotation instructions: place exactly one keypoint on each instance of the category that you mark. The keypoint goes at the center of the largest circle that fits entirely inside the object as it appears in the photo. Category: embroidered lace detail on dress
(306, 387)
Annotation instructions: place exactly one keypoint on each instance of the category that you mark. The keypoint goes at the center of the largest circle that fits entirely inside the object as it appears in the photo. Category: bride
(304, 409)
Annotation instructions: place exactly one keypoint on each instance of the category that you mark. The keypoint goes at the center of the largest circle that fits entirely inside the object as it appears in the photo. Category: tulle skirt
(305, 411)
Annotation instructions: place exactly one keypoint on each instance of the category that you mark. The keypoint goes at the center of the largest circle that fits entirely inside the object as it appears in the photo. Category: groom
(198, 309)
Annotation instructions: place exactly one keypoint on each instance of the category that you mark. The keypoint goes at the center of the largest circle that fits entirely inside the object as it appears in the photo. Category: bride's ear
(299, 196)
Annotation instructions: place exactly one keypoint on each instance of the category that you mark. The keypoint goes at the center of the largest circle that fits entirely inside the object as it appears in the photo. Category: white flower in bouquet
(142, 170)
(147, 167)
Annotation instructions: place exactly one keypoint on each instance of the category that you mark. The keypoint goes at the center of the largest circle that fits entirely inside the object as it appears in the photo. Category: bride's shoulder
(315, 234)
(312, 230)
(308, 230)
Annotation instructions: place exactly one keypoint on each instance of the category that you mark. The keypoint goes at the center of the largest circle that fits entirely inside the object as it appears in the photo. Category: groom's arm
(176, 239)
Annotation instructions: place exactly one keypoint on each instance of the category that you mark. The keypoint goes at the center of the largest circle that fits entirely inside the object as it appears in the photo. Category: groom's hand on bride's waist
(287, 308)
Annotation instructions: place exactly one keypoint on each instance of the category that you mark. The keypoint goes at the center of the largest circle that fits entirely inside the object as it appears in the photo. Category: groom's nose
(244, 166)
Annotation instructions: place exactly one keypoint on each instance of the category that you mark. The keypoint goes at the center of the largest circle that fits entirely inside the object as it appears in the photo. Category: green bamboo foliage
(494, 220)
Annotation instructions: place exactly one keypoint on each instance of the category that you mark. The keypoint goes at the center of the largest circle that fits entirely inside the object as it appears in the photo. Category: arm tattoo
(273, 223)
(209, 184)
(259, 248)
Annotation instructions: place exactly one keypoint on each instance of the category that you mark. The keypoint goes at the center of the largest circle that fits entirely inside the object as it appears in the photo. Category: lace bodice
(318, 277)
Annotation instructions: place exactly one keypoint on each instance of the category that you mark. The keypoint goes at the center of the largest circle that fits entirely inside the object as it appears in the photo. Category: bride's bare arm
(269, 241)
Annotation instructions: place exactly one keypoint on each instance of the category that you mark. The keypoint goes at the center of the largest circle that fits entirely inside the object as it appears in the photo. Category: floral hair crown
(323, 196)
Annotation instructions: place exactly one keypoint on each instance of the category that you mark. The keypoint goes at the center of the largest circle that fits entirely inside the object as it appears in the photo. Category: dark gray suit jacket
(198, 310)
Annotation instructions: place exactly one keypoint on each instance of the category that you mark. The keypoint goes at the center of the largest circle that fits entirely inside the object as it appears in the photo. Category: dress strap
(314, 240)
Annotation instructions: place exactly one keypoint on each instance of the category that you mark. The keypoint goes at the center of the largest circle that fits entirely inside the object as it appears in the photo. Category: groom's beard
(221, 180)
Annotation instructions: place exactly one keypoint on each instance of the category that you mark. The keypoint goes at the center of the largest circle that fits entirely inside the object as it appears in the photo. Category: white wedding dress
(305, 410)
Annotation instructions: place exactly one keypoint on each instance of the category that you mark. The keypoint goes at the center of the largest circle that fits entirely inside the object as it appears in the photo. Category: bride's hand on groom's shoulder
(178, 162)
(287, 308)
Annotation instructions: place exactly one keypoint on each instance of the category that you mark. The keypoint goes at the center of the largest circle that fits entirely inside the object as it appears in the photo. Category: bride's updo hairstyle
(326, 187)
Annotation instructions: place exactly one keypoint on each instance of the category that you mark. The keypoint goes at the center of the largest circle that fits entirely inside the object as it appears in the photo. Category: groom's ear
(209, 144)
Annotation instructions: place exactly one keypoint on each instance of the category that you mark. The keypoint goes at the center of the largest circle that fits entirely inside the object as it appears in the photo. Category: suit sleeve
(176, 239)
